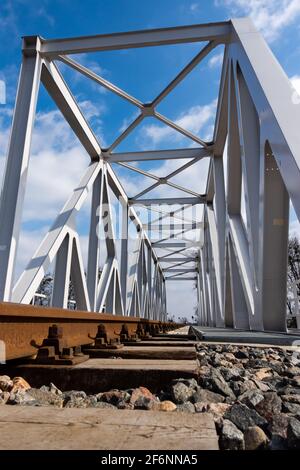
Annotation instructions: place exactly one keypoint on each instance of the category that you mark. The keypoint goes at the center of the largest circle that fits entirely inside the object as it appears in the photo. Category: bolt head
(55, 331)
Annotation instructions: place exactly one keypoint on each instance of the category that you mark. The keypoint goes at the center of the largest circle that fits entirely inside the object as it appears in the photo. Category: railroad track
(96, 353)
(71, 348)
(26, 329)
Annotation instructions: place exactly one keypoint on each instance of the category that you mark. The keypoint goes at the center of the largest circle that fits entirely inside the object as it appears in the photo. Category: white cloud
(91, 110)
(5, 116)
(127, 121)
(294, 229)
(194, 7)
(57, 131)
(29, 241)
(8, 16)
(216, 60)
(294, 226)
(86, 61)
(269, 16)
(295, 83)
(2, 92)
(52, 177)
(12, 16)
(194, 120)
(8, 75)
(295, 80)
(42, 13)
(57, 163)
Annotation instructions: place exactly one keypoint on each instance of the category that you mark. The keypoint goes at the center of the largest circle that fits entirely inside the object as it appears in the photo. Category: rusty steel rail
(23, 328)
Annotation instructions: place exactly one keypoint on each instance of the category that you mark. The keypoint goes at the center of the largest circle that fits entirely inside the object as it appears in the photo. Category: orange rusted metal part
(24, 327)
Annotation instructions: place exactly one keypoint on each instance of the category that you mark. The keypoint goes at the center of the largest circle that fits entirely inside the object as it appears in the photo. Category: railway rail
(55, 335)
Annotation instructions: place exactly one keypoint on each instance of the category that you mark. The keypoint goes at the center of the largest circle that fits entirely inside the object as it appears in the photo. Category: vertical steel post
(124, 251)
(275, 227)
(220, 220)
(14, 184)
(93, 250)
(62, 274)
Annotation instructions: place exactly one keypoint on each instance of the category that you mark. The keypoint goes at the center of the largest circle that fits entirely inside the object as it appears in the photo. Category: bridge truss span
(237, 254)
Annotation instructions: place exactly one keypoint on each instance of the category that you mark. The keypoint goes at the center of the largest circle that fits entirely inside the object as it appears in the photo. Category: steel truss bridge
(240, 268)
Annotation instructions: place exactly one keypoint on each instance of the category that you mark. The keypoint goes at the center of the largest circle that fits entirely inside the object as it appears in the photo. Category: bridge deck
(229, 335)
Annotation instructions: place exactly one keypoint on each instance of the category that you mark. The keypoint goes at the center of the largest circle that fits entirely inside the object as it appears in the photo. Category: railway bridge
(231, 241)
(239, 264)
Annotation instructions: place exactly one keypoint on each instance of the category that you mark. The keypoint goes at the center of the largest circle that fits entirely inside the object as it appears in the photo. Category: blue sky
(57, 159)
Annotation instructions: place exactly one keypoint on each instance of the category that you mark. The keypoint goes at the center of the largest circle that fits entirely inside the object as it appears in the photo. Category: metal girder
(179, 270)
(221, 125)
(158, 155)
(174, 227)
(168, 201)
(175, 260)
(176, 252)
(176, 265)
(174, 244)
(127, 40)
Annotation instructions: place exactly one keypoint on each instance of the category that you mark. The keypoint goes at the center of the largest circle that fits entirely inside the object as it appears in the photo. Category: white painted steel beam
(14, 184)
(175, 227)
(174, 244)
(163, 259)
(179, 270)
(94, 248)
(157, 155)
(168, 201)
(127, 40)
